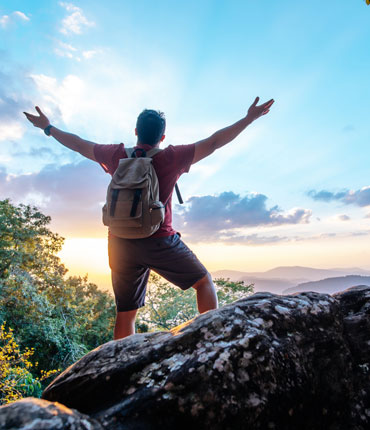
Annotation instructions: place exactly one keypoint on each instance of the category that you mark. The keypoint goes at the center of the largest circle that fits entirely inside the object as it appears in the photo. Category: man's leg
(171, 258)
(206, 294)
(125, 324)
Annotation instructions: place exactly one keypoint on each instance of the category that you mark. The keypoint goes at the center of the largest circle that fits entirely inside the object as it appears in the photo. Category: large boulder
(264, 362)
(36, 414)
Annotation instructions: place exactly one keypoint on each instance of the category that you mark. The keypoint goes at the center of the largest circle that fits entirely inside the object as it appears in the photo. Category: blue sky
(292, 189)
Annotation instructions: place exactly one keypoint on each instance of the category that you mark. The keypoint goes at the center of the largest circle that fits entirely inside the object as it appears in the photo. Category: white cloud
(65, 50)
(14, 16)
(89, 54)
(11, 131)
(13, 103)
(69, 51)
(102, 102)
(4, 20)
(4, 159)
(21, 15)
(64, 97)
(224, 217)
(343, 217)
(76, 21)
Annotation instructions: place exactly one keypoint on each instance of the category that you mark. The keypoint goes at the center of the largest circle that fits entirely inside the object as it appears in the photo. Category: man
(164, 252)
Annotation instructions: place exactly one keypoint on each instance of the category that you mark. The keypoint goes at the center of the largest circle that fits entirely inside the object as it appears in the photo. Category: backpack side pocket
(157, 212)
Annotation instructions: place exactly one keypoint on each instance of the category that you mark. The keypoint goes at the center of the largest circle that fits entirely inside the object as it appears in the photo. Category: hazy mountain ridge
(330, 285)
(280, 280)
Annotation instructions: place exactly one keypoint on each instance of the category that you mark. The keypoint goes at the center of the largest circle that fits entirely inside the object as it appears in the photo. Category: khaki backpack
(133, 209)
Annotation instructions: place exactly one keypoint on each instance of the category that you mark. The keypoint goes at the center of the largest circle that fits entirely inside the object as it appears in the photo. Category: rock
(355, 306)
(36, 414)
(264, 362)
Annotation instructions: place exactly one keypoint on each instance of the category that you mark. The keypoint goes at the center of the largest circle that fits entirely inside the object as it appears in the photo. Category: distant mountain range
(330, 285)
(289, 279)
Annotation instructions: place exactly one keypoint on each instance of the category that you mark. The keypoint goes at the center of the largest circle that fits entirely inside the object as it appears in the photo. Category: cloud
(219, 217)
(325, 196)
(315, 237)
(37, 152)
(13, 103)
(61, 99)
(89, 54)
(360, 233)
(65, 50)
(251, 239)
(358, 198)
(20, 15)
(344, 217)
(11, 131)
(70, 194)
(5, 20)
(102, 102)
(76, 21)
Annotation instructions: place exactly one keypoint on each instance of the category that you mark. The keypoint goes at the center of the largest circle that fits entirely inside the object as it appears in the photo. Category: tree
(229, 291)
(17, 380)
(61, 318)
(168, 306)
(26, 243)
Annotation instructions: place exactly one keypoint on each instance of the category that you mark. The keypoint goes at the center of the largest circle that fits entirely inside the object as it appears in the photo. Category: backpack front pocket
(123, 214)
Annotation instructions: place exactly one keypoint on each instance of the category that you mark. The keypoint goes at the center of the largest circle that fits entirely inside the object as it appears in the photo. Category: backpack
(133, 209)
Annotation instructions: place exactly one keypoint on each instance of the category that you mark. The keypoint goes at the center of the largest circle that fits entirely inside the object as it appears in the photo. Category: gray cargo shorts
(132, 259)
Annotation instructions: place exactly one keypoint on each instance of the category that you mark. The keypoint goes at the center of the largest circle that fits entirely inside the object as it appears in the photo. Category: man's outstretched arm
(206, 147)
(71, 141)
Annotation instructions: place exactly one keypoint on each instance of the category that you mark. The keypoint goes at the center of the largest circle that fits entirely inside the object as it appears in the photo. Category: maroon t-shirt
(169, 165)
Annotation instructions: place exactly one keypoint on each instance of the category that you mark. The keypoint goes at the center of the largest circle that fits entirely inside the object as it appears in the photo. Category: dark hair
(150, 126)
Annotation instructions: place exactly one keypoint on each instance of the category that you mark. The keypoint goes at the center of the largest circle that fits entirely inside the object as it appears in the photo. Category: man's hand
(40, 121)
(71, 141)
(255, 111)
(206, 147)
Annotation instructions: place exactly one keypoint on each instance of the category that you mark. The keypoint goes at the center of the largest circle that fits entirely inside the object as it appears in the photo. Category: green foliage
(17, 380)
(168, 306)
(229, 291)
(26, 243)
(61, 318)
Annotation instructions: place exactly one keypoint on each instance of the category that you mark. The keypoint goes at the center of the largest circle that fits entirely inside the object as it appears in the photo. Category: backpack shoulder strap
(153, 152)
(129, 152)
(179, 197)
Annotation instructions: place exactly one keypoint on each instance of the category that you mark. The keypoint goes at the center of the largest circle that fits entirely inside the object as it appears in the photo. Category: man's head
(150, 127)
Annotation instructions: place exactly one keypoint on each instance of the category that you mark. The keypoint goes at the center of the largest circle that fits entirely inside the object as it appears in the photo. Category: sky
(292, 189)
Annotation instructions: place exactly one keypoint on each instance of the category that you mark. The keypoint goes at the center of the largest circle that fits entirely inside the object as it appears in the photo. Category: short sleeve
(108, 156)
(183, 157)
